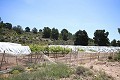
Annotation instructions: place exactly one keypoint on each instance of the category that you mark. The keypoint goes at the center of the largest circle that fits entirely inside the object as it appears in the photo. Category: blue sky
(73, 15)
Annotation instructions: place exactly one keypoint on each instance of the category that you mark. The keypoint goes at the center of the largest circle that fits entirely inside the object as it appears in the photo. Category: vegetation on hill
(46, 36)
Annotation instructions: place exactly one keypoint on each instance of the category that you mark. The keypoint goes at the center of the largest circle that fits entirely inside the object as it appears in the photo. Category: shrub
(110, 57)
(15, 72)
(48, 72)
(102, 76)
(80, 70)
(117, 57)
(17, 68)
(58, 70)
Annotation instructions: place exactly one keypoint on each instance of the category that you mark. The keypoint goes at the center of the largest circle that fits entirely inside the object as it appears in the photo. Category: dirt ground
(110, 68)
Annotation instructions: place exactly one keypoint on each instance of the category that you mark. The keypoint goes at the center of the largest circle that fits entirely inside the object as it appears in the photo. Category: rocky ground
(110, 68)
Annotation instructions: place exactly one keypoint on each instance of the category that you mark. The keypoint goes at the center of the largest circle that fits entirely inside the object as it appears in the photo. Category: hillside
(46, 36)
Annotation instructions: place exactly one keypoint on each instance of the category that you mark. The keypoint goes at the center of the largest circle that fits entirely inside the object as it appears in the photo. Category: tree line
(79, 38)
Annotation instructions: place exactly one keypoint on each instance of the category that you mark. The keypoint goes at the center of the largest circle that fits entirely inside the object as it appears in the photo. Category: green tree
(2, 24)
(64, 34)
(113, 42)
(27, 29)
(46, 32)
(54, 34)
(101, 38)
(81, 38)
(70, 36)
(8, 25)
(91, 42)
(5, 25)
(119, 30)
(40, 30)
(0, 19)
(118, 43)
(18, 29)
(2, 39)
(34, 30)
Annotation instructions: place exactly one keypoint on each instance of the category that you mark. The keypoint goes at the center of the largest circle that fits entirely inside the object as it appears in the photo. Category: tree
(119, 30)
(101, 38)
(54, 34)
(27, 29)
(2, 39)
(70, 36)
(118, 43)
(40, 30)
(0, 19)
(81, 38)
(2, 25)
(8, 25)
(113, 42)
(64, 34)
(34, 30)
(18, 29)
(46, 32)
(91, 42)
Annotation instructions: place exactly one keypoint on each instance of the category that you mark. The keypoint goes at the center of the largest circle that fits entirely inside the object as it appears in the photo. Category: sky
(72, 15)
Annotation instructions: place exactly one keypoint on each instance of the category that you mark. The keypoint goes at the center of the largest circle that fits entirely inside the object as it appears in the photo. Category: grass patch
(48, 72)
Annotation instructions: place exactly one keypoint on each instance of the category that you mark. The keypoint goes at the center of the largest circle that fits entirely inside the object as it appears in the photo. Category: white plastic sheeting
(14, 48)
(90, 48)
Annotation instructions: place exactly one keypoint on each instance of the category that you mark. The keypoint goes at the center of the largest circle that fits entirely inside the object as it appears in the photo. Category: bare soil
(110, 68)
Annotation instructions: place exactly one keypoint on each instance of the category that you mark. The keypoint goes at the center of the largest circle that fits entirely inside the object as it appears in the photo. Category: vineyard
(60, 53)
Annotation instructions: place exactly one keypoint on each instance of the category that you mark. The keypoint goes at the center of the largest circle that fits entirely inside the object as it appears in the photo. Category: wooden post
(70, 56)
(35, 57)
(16, 60)
(77, 56)
(3, 60)
(90, 56)
(31, 57)
(81, 56)
(98, 55)
(113, 54)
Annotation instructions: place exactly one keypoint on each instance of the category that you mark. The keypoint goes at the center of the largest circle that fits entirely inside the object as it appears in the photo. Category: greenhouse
(14, 48)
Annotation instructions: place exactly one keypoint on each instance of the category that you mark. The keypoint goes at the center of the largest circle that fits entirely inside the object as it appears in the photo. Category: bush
(110, 57)
(117, 57)
(15, 72)
(16, 69)
(83, 71)
(58, 71)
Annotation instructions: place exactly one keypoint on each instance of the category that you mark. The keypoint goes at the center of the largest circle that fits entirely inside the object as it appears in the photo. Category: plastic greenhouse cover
(90, 48)
(14, 48)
